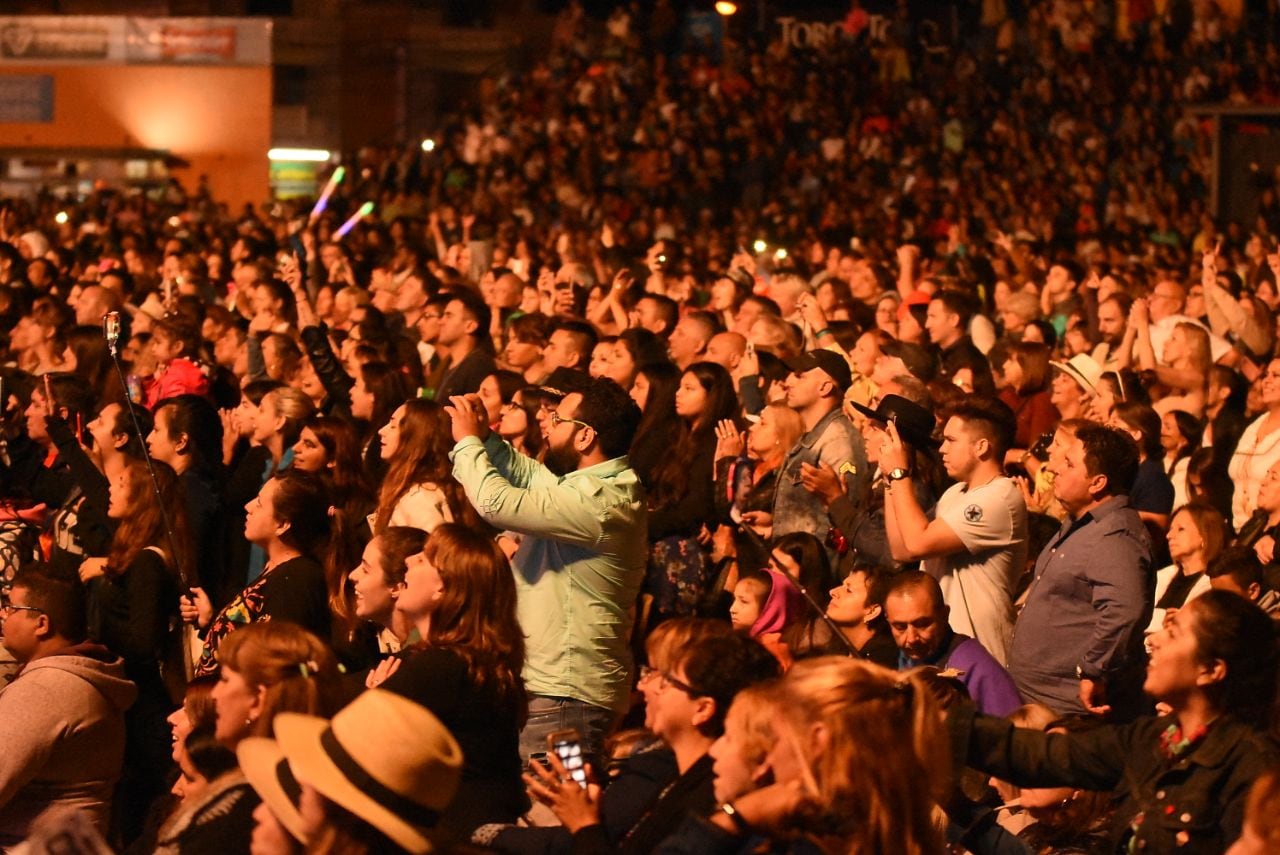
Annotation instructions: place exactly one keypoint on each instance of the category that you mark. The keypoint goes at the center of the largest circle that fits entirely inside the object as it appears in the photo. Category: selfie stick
(111, 331)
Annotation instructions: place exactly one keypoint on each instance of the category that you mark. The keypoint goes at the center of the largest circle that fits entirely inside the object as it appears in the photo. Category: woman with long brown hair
(681, 493)
(460, 595)
(330, 446)
(133, 595)
(419, 490)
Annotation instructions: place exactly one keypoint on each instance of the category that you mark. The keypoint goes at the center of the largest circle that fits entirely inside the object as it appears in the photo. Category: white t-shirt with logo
(978, 583)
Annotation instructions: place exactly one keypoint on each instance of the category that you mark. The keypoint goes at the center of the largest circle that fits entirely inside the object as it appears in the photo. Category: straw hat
(384, 758)
(1083, 369)
(264, 766)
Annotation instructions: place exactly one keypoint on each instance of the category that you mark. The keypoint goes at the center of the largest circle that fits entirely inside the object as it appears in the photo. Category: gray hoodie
(62, 737)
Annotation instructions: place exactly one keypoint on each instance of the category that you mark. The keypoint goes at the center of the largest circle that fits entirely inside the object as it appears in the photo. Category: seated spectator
(1260, 833)
(857, 610)
(765, 604)
(1063, 819)
(62, 718)
(689, 712)
(1215, 667)
(362, 796)
(917, 617)
(879, 723)
(1238, 570)
(1197, 534)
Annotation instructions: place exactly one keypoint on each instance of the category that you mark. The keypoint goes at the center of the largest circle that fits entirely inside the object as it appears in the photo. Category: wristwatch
(897, 474)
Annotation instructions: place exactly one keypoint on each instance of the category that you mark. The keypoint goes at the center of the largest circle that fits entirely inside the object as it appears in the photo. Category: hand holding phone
(567, 746)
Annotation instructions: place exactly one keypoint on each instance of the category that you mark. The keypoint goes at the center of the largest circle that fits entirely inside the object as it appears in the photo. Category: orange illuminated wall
(216, 118)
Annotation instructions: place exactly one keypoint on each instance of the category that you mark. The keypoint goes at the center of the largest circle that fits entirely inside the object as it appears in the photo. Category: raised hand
(729, 441)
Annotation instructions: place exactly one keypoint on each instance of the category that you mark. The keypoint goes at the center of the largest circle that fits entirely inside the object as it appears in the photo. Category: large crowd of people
(866, 448)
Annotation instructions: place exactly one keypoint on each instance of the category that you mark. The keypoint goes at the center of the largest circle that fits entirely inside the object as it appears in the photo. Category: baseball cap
(835, 366)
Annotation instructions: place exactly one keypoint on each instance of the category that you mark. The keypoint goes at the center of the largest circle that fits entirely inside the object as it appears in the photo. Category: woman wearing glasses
(686, 707)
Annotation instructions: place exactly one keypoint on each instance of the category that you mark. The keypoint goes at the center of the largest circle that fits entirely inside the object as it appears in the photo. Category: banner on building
(143, 41)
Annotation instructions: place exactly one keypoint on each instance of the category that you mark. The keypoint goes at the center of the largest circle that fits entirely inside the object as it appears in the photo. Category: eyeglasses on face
(557, 420)
(666, 680)
(7, 609)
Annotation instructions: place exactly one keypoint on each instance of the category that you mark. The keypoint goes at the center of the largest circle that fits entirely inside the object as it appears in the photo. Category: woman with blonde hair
(1182, 367)
(859, 759)
(746, 469)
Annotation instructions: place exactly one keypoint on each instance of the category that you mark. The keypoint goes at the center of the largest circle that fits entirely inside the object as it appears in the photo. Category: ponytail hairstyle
(297, 669)
(881, 736)
(195, 418)
(302, 501)
(295, 407)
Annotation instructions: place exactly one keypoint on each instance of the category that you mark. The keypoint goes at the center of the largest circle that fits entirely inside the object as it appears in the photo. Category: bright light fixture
(311, 155)
(428, 144)
(60, 218)
(760, 246)
(726, 7)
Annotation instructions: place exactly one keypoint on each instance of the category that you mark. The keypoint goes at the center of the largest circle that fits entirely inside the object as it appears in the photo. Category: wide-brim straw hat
(384, 758)
(272, 778)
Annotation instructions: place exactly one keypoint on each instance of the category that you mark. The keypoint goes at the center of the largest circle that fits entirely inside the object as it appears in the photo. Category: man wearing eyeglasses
(583, 523)
(62, 717)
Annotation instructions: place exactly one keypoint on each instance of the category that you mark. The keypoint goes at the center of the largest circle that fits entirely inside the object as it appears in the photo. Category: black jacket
(1193, 803)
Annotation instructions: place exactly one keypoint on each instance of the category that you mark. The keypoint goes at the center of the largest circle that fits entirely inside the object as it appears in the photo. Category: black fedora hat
(915, 423)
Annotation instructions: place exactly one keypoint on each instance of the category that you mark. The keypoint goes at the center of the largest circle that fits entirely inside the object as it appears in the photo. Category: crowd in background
(702, 448)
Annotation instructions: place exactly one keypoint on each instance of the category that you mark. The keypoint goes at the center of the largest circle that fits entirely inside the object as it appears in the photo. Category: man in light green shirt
(582, 556)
